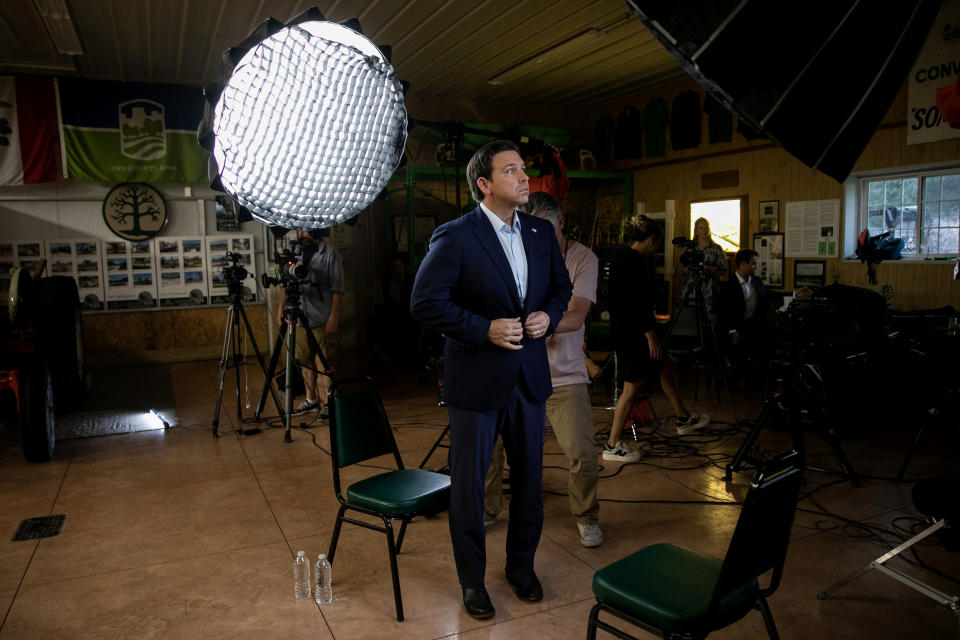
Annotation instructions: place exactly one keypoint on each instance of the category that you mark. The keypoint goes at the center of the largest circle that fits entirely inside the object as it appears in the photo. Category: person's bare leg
(671, 389)
(310, 382)
(622, 410)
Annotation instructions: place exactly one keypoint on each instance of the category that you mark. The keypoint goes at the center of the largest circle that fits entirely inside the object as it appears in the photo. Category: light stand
(234, 274)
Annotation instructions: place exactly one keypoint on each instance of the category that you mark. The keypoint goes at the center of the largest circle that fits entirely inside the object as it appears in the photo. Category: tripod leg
(260, 361)
(237, 357)
(223, 367)
(737, 463)
(288, 400)
(268, 382)
(435, 445)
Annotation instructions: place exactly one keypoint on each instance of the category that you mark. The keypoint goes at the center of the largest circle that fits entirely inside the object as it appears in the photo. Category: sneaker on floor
(590, 535)
(489, 520)
(691, 423)
(306, 405)
(325, 412)
(620, 453)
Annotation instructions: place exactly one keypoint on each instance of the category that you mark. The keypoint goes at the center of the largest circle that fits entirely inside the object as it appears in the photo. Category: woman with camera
(703, 253)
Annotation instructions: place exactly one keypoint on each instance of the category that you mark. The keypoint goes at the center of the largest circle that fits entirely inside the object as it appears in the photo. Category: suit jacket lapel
(527, 234)
(491, 244)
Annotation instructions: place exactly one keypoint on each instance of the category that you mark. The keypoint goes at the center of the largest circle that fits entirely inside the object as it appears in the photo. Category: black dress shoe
(477, 603)
(526, 585)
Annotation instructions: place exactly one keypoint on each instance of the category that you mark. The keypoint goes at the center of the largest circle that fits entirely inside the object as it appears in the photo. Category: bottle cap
(300, 553)
(322, 556)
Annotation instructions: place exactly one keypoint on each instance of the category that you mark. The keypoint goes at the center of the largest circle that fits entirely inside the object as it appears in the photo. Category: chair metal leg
(768, 618)
(592, 622)
(336, 534)
(394, 571)
(403, 530)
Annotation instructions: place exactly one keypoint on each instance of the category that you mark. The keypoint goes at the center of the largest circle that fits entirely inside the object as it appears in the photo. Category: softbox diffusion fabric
(815, 77)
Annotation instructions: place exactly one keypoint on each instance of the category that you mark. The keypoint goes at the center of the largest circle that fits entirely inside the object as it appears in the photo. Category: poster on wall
(18, 253)
(80, 259)
(933, 90)
(130, 274)
(218, 247)
(182, 271)
(769, 248)
(812, 229)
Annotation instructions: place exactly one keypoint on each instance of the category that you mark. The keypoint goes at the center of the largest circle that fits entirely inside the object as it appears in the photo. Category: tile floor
(175, 534)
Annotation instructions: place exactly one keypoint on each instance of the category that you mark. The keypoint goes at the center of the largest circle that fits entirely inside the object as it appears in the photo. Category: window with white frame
(922, 208)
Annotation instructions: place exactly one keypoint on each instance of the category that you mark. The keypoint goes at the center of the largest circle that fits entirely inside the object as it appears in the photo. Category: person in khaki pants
(568, 408)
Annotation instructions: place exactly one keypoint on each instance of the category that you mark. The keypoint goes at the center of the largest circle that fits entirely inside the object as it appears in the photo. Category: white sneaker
(489, 520)
(305, 406)
(590, 535)
(620, 453)
(692, 423)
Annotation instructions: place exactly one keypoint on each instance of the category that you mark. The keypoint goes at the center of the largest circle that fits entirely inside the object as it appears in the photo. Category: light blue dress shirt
(512, 245)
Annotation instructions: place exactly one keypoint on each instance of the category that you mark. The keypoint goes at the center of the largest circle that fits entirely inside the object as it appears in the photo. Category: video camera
(692, 257)
(233, 272)
(291, 267)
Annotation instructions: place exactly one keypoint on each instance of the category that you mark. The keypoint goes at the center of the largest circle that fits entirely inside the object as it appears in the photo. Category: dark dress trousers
(463, 284)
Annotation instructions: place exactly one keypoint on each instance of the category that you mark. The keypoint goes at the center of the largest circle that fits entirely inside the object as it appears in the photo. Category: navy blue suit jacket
(464, 283)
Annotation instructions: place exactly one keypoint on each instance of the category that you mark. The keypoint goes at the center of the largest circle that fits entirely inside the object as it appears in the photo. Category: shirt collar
(497, 223)
(743, 281)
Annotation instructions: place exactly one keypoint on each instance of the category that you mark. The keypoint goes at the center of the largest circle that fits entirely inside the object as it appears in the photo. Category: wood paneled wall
(766, 172)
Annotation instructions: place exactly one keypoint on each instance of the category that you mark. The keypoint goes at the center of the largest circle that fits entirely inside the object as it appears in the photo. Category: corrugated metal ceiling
(444, 48)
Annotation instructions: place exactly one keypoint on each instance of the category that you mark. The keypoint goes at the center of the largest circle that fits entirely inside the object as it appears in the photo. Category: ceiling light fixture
(537, 62)
(56, 18)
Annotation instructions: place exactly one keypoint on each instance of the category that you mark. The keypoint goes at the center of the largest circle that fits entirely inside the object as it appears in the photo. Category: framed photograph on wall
(769, 216)
(809, 273)
(769, 248)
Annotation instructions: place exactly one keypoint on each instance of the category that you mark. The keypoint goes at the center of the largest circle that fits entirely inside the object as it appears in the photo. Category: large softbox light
(306, 123)
(815, 77)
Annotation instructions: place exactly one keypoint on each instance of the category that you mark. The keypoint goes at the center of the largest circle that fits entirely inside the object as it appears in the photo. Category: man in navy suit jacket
(494, 283)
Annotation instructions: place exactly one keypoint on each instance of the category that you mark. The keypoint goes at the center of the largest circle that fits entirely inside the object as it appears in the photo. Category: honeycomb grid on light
(310, 127)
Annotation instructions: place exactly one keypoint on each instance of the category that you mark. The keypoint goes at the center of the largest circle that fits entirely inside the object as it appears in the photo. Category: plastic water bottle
(323, 587)
(301, 576)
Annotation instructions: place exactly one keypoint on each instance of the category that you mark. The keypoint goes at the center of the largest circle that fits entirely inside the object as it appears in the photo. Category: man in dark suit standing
(494, 283)
(742, 310)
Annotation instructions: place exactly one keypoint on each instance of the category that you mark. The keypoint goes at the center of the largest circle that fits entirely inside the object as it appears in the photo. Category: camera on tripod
(292, 267)
(693, 258)
(233, 272)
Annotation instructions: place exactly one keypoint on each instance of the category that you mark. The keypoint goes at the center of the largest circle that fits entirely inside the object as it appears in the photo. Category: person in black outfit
(633, 329)
(742, 310)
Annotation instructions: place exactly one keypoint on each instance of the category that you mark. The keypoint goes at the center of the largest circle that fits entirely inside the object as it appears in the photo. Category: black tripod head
(234, 274)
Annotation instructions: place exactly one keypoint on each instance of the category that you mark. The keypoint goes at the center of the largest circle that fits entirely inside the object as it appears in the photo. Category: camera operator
(703, 250)
(743, 307)
(320, 303)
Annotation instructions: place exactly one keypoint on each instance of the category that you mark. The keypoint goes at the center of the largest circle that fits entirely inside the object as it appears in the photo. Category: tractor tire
(36, 412)
(58, 329)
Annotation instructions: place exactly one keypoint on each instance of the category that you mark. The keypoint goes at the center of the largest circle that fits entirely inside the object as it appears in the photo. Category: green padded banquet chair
(360, 431)
(674, 592)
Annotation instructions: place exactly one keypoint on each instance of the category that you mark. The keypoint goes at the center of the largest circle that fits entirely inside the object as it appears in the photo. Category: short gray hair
(542, 204)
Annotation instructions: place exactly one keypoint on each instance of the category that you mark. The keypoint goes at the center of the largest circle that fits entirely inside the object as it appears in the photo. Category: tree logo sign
(134, 211)
(142, 133)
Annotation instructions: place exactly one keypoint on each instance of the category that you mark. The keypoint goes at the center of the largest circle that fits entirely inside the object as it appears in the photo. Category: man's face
(747, 268)
(508, 184)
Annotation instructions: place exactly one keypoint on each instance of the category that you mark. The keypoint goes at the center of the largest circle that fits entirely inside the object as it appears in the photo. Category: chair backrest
(359, 429)
(760, 539)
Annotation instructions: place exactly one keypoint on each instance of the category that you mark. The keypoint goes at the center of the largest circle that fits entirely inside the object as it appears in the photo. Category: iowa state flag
(131, 132)
(28, 130)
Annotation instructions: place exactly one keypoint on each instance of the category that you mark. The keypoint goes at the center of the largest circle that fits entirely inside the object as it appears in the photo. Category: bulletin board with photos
(217, 248)
(114, 274)
(131, 274)
(183, 274)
